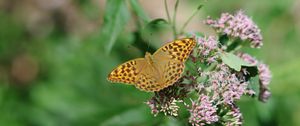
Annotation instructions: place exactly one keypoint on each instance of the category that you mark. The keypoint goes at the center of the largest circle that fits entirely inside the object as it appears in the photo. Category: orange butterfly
(157, 71)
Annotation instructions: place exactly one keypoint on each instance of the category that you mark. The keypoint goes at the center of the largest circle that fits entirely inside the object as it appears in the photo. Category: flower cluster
(264, 75)
(223, 88)
(217, 85)
(223, 85)
(248, 58)
(265, 78)
(203, 111)
(233, 117)
(169, 107)
(226, 85)
(166, 100)
(207, 47)
(238, 26)
(207, 44)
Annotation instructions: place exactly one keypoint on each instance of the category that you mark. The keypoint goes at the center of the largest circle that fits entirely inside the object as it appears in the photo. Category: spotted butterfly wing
(172, 57)
(178, 50)
(127, 72)
(157, 71)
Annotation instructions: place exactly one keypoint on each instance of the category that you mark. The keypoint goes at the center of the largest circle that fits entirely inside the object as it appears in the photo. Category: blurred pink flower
(248, 58)
(263, 70)
(238, 25)
(264, 78)
(264, 94)
(264, 74)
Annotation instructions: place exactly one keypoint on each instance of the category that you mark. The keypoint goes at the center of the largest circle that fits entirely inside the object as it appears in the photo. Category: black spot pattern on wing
(125, 73)
(180, 49)
(148, 83)
(172, 72)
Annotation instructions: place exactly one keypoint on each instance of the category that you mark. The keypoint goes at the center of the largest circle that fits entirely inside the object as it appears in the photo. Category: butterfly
(157, 71)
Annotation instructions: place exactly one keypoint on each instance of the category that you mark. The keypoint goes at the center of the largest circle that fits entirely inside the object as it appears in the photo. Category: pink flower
(227, 86)
(203, 112)
(207, 46)
(233, 117)
(264, 74)
(234, 91)
(248, 58)
(238, 25)
(264, 78)
(152, 103)
(166, 100)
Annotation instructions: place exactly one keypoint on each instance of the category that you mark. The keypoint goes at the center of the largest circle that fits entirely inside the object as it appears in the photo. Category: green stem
(167, 11)
(190, 18)
(174, 19)
(211, 67)
(235, 45)
(229, 42)
(236, 49)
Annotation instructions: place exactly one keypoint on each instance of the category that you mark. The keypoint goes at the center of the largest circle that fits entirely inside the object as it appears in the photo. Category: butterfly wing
(167, 67)
(177, 50)
(135, 72)
(127, 72)
(170, 58)
(172, 72)
(147, 82)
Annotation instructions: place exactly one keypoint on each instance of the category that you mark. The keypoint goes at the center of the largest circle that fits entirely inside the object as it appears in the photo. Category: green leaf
(254, 84)
(115, 18)
(136, 7)
(157, 24)
(191, 67)
(233, 61)
(135, 116)
(201, 79)
(171, 121)
(154, 30)
(153, 27)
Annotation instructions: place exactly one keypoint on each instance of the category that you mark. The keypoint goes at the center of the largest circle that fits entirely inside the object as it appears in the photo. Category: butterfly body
(149, 58)
(157, 71)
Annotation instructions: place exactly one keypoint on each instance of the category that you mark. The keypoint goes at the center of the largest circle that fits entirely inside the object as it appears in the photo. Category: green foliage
(71, 86)
(135, 116)
(138, 10)
(254, 84)
(10, 34)
(115, 19)
(233, 61)
(154, 29)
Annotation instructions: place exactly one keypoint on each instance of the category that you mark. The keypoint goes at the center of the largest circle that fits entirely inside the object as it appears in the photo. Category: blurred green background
(55, 56)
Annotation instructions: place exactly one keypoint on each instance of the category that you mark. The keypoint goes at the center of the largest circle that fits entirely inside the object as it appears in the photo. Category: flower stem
(211, 67)
(167, 11)
(237, 48)
(189, 19)
(234, 45)
(174, 19)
